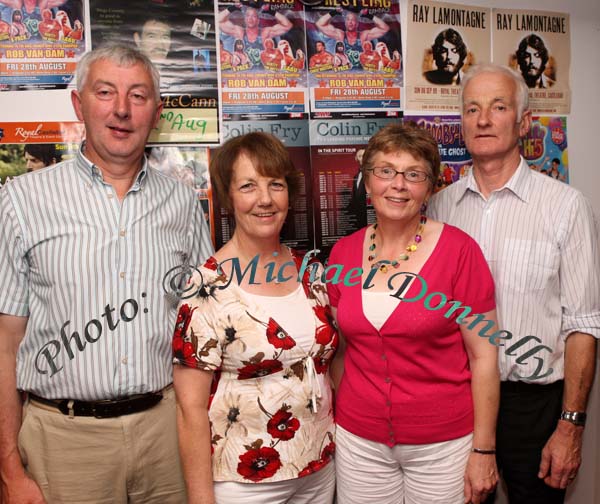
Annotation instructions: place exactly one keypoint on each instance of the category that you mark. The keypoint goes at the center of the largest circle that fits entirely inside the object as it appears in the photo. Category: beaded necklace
(383, 264)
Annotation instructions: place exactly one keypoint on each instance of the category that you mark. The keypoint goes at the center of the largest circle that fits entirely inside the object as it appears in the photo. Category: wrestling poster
(454, 157)
(446, 39)
(545, 147)
(354, 55)
(340, 199)
(537, 44)
(27, 146)
(297, 231)
(188, 165)
(179, 37)
(39, 47)
(263, 59)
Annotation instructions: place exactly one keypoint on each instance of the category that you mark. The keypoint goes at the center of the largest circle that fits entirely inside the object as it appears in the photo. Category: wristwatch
(575, 417)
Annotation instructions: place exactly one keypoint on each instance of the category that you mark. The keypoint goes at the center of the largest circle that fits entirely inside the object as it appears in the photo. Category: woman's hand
(481, 477)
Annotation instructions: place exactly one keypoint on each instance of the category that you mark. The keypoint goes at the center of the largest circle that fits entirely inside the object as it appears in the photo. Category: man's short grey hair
(522, 91)
(122, 55)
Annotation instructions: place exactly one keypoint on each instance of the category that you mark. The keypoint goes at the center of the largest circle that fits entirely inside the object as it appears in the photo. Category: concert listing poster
(297, 231)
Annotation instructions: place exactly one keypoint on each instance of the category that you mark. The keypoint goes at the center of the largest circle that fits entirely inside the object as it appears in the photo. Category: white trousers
(317, 488)
(373, 473)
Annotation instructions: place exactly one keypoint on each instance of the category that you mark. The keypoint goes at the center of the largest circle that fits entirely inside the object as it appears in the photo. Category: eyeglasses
(387, 173)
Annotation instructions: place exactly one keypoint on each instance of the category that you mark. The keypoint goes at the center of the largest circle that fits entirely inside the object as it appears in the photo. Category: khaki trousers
(128, 459)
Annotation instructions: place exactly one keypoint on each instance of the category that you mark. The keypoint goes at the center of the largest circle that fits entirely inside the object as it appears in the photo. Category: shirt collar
(519, 184)
(91, 172)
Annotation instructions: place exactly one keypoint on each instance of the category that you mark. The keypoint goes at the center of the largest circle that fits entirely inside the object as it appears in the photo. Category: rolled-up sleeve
(14, 268)
(580, 271)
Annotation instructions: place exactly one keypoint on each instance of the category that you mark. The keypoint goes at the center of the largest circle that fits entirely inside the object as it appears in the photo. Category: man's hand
(21, 490)
(561, 457)
(481, 477)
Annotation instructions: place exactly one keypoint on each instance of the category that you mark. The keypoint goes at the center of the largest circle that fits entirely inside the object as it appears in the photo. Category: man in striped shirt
(85, 323)
(540, 241)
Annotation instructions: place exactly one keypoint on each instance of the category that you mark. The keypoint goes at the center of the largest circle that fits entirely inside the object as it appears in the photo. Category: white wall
(583, 158)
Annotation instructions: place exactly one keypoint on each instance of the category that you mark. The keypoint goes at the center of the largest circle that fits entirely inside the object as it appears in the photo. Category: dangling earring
(424, 207)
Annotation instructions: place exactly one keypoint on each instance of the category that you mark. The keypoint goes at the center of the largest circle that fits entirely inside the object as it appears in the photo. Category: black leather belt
(102, 409)
(525, 387)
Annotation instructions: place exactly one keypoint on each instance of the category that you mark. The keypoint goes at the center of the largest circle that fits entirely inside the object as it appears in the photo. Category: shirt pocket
(527, 265)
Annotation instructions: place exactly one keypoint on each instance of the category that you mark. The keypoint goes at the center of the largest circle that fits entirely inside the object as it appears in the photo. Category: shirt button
(388, 379)
(122, 232)
(122, 274)
(388, 403)
(110, 195)
(124, 360)
(383, 357)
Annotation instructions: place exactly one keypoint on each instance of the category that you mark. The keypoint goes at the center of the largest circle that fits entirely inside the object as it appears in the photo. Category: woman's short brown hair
(405, 137)
(270, 158)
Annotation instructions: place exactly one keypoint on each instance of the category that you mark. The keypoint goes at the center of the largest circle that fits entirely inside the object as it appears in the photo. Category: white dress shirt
(540, 240)
(88, 270)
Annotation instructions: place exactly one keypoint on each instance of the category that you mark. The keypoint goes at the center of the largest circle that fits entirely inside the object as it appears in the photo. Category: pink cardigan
(410, 382)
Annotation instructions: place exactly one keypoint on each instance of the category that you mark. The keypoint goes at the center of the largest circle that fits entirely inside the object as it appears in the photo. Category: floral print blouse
(271, 410)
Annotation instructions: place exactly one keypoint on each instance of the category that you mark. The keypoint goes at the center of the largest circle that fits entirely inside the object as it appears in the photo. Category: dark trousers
(527, 418)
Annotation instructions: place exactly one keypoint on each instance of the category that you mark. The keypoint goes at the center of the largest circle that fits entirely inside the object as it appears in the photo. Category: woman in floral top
(255, 341)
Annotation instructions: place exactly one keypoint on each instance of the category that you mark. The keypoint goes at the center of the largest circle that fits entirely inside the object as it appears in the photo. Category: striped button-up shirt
(540, 240)
(88, 270)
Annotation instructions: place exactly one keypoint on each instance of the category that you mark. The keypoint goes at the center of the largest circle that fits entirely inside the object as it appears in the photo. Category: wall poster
(179, 37)
(538, 45)
(446, 40)
(39, 48)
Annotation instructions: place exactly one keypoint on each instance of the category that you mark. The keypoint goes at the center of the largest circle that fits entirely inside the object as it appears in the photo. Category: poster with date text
(538, 45)
(354, 56)
(39, 48)
(179, 37)
(446, 39)
(263, 59)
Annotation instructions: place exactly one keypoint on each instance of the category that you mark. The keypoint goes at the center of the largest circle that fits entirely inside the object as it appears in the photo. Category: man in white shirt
(539, 238)
(85, 322)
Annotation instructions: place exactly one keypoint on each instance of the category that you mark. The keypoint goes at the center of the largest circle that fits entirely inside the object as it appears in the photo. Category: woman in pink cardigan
(417, 387)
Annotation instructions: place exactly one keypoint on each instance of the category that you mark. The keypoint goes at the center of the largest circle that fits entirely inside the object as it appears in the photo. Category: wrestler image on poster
(271, 34)
(345, 32)
(49, 20)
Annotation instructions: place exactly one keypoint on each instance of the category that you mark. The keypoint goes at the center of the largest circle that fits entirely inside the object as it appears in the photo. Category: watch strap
(574, 417)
